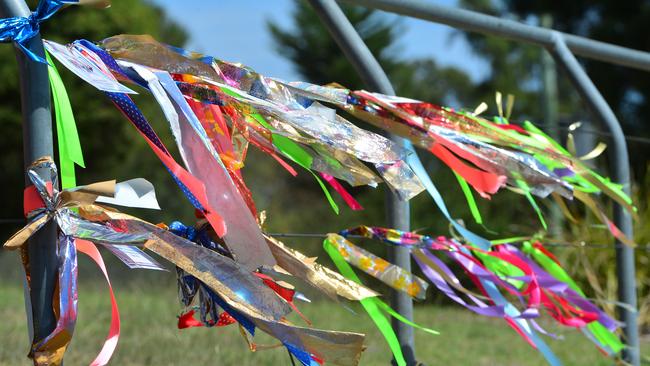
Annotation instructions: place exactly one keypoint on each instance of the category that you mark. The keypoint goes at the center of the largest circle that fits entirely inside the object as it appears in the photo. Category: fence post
(620, 172)
(37, 142)
(397, 211)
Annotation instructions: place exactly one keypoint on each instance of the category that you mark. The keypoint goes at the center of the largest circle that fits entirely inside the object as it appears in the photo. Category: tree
(318, 58)
(111, 146)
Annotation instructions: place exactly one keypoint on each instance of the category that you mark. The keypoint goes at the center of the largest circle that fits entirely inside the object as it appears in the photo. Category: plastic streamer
(269, 113)
(204, 163)
(533, 273)
(373, 306)
(247, 299)
(529, 159)
(66, 130)
(271, 105)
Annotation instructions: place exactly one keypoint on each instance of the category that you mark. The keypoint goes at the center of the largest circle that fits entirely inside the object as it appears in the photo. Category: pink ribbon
(110, 343)
(347, 197)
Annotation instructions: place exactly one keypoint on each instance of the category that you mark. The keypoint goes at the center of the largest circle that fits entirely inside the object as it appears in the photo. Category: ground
(149, 306)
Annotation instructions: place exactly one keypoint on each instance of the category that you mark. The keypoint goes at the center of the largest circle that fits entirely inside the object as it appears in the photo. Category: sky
(235, 30)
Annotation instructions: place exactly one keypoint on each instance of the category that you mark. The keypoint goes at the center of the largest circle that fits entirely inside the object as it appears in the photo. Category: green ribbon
(298, 155)
(373, 306)
(369, 304)
(524, 187)
(66, 129)
(473, 208)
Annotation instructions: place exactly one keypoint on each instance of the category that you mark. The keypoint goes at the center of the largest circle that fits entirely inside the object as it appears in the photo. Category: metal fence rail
(560, 45)
(486, 24)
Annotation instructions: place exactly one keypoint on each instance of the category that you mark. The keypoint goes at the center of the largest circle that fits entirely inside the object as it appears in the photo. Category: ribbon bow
(22, 29)
(44, 202)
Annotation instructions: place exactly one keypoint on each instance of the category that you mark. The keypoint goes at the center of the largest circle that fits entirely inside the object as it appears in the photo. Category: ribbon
(50, 350)
(329, 282)
(347, 197)
(193, 188)
(246, 298)
(471, 202)
(369, 304)
(373, 306)
(390, 274)
(22, 29)
(284, 292)
(66, 129)
(244, 238)
(110, 343)
(509, 268)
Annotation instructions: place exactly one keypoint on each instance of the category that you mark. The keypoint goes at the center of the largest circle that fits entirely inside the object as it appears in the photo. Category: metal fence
(37, 136)
(561, 46)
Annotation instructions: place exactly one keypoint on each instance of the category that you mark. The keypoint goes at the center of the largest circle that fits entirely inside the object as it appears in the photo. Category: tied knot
(43, 195)
(21, 29)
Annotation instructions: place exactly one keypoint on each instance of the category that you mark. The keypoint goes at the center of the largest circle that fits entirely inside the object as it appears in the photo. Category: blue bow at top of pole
(22, 29)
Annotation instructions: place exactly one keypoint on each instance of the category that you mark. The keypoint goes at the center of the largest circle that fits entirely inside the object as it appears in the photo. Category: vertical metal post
(37, 142)
(397, 211)
(549, 81)
(620, 172)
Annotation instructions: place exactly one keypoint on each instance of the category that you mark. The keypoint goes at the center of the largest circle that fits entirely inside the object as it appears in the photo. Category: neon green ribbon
(522, 184)
(374, 306)
(66, 129)
(298, 155)
(369, 304)
(473, 208)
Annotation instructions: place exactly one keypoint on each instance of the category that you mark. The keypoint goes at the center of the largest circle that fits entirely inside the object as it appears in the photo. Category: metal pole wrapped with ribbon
(22, 27)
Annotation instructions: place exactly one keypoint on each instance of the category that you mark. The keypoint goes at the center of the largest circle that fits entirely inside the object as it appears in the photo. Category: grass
(149, 306)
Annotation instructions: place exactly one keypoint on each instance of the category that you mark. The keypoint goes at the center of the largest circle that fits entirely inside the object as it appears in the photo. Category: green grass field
(148, 305)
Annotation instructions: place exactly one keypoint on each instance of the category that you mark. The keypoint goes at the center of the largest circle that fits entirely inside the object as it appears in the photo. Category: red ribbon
(32, 200)
(187, 320)
(286, 293)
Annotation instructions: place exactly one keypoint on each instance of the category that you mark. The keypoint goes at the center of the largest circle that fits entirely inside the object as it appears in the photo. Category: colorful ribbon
(547, 286)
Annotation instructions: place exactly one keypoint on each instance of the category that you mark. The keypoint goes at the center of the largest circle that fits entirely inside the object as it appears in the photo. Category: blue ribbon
(21, 29)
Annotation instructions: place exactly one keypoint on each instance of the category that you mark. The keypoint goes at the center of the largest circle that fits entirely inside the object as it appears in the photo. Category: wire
(324, 235)
(642, 140)
(549, 244)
